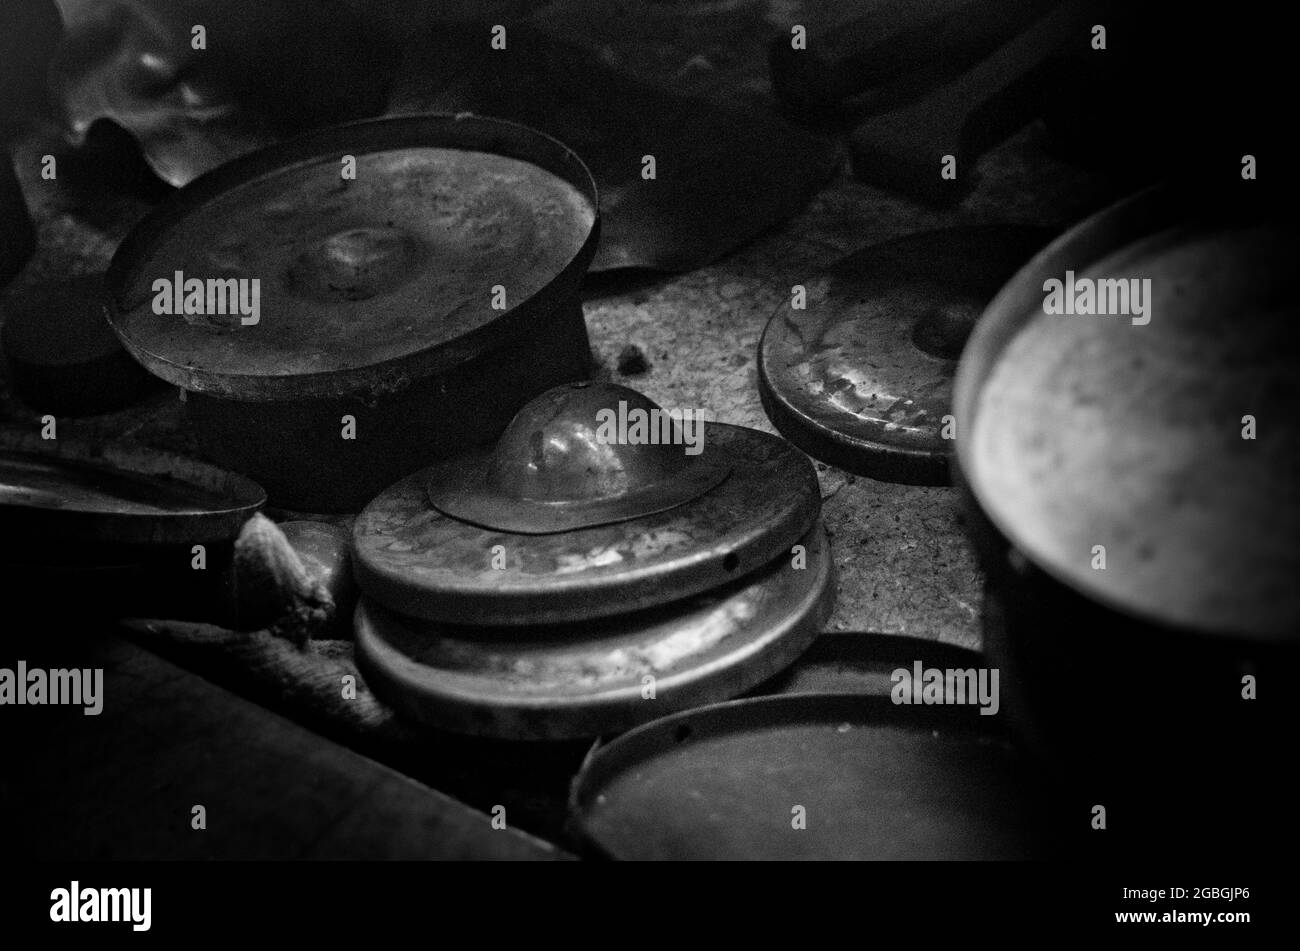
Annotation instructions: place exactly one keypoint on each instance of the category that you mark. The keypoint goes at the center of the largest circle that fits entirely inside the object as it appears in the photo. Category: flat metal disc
(588, 679)
(61, 494)
(871, 779)
(862, 377)
(413, 559)
(366, 281)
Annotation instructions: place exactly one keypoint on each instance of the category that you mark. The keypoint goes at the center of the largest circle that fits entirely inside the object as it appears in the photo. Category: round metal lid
(602, 676)
(59, 495)
(561, 465)
(412, 558)
(451, 235)
(862, 377)
(812, 776)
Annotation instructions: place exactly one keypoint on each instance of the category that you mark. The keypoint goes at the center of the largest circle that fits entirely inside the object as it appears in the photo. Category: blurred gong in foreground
(1126, 438)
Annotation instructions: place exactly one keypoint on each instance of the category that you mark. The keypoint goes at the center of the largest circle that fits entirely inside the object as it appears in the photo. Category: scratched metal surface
(861, 377)
(414, 559)
(589, 680)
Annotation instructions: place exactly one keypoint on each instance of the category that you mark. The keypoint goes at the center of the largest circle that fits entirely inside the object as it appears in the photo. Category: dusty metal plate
(413, 559)
(365, 283)
(61, 493)
(581, 680)
(864, 777)
(862, 377)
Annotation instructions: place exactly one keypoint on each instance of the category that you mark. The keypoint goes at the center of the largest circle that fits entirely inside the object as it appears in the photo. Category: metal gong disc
(59, 497)
(412, 558)
(444, 240)
(580, 680)
(871, 779)
(862, 377)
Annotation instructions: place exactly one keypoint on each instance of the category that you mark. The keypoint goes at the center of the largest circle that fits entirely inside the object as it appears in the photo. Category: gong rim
(459, 132)
(103, 525)
(413, 559)
(725, 642)
(885, 443)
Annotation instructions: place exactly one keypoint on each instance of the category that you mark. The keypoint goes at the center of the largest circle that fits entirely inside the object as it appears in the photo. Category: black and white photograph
(647, 431)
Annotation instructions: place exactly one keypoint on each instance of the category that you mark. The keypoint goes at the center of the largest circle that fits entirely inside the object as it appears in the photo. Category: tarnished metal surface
(556, 468)
(599, 677)
(364, 279)
(426, 301)
(862, 377)
(1128, 430)
(413, 559)
(869, 778)
(1121, 507)
(66, 493)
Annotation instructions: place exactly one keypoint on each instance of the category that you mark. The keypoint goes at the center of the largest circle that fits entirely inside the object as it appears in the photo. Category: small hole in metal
(683, 733)
(730, 562)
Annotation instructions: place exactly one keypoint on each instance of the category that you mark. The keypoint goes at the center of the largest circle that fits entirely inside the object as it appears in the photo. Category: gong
(367, 273)
(349, 306)
(62, 499)
(813, 777)
(559, 524)
(861, 377)
(585, 679)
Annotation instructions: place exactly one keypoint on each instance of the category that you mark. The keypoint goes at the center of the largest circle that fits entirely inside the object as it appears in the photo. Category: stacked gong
(585, 575)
